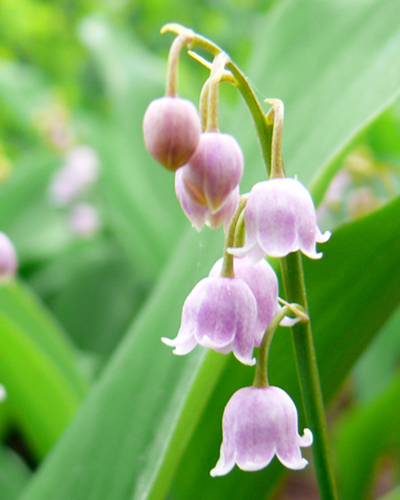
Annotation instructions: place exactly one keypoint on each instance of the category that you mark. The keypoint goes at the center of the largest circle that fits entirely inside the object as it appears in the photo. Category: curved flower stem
(227, 264)
(263, 126)
(261, 375)
(293, 280)
(172, 65)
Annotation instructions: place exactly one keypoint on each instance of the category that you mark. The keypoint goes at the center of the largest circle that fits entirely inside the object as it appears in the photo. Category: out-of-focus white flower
(8, 259)
(80, 171)
(84, 220)
(3, 393)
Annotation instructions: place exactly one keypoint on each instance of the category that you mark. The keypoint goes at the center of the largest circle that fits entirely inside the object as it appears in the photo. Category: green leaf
(362, 436)
(38, 369)
(14, 474)
(336, 67)
(130, 416)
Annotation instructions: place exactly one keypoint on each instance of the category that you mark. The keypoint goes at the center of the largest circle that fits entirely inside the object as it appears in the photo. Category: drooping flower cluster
(236, 308)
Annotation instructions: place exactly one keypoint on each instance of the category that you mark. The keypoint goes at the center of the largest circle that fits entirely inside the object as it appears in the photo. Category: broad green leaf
(14, 474)
(386, 346)
(346, 313)
(336, 67)
(38, 369)
(362, 436)
(129, 417)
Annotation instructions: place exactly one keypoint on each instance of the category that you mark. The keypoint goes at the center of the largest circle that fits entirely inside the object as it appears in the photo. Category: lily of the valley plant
(236, 308)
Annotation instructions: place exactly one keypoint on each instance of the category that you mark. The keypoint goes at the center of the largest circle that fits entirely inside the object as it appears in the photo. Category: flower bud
(171, 128)
(201, 214)
(215, 170)
(8, 259)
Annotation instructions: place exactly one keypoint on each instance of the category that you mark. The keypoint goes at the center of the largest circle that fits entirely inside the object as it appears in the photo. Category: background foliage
(97, 407)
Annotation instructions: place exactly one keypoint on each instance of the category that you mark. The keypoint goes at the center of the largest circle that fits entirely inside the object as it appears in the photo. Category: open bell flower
(258, 423)
(263, 282)
(219, 313)
(280, 218)
(201, 214)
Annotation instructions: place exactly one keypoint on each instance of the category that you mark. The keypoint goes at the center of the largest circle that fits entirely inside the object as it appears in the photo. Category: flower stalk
(295, 291)
(227, 265)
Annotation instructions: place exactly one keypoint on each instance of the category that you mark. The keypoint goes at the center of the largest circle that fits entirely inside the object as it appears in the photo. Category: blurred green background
(80, 327)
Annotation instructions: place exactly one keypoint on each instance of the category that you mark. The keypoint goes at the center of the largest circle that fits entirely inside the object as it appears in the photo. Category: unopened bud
(215, 170)
(171, 128)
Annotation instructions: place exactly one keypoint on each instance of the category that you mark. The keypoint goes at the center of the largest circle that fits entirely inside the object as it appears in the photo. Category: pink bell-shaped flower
(219, 313)
(8, 259)
(258, 423)
(280, 218)
(262, 281)
(171, 129)
(201, 214)
(214, 171)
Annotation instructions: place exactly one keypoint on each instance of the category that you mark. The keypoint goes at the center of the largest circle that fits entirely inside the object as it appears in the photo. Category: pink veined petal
(254, 431)
(196, 213)
(275, 216)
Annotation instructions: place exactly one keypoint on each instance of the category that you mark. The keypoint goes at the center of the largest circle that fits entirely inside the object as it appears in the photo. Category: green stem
(293, 279)
(227, 264)
(172, 65)
(262, 125)
(261, 375)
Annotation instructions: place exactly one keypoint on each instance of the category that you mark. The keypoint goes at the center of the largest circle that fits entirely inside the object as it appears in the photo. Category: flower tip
(306, 439)
(323, 238)
(168, 342)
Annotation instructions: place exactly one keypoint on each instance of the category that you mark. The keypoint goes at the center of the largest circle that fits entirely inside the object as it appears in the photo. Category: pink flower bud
(221, 314)
(258, 423)
(171, 128)
(280, 218)
(201, 214)
(8, 259)
(263, 282)
(214, 171)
